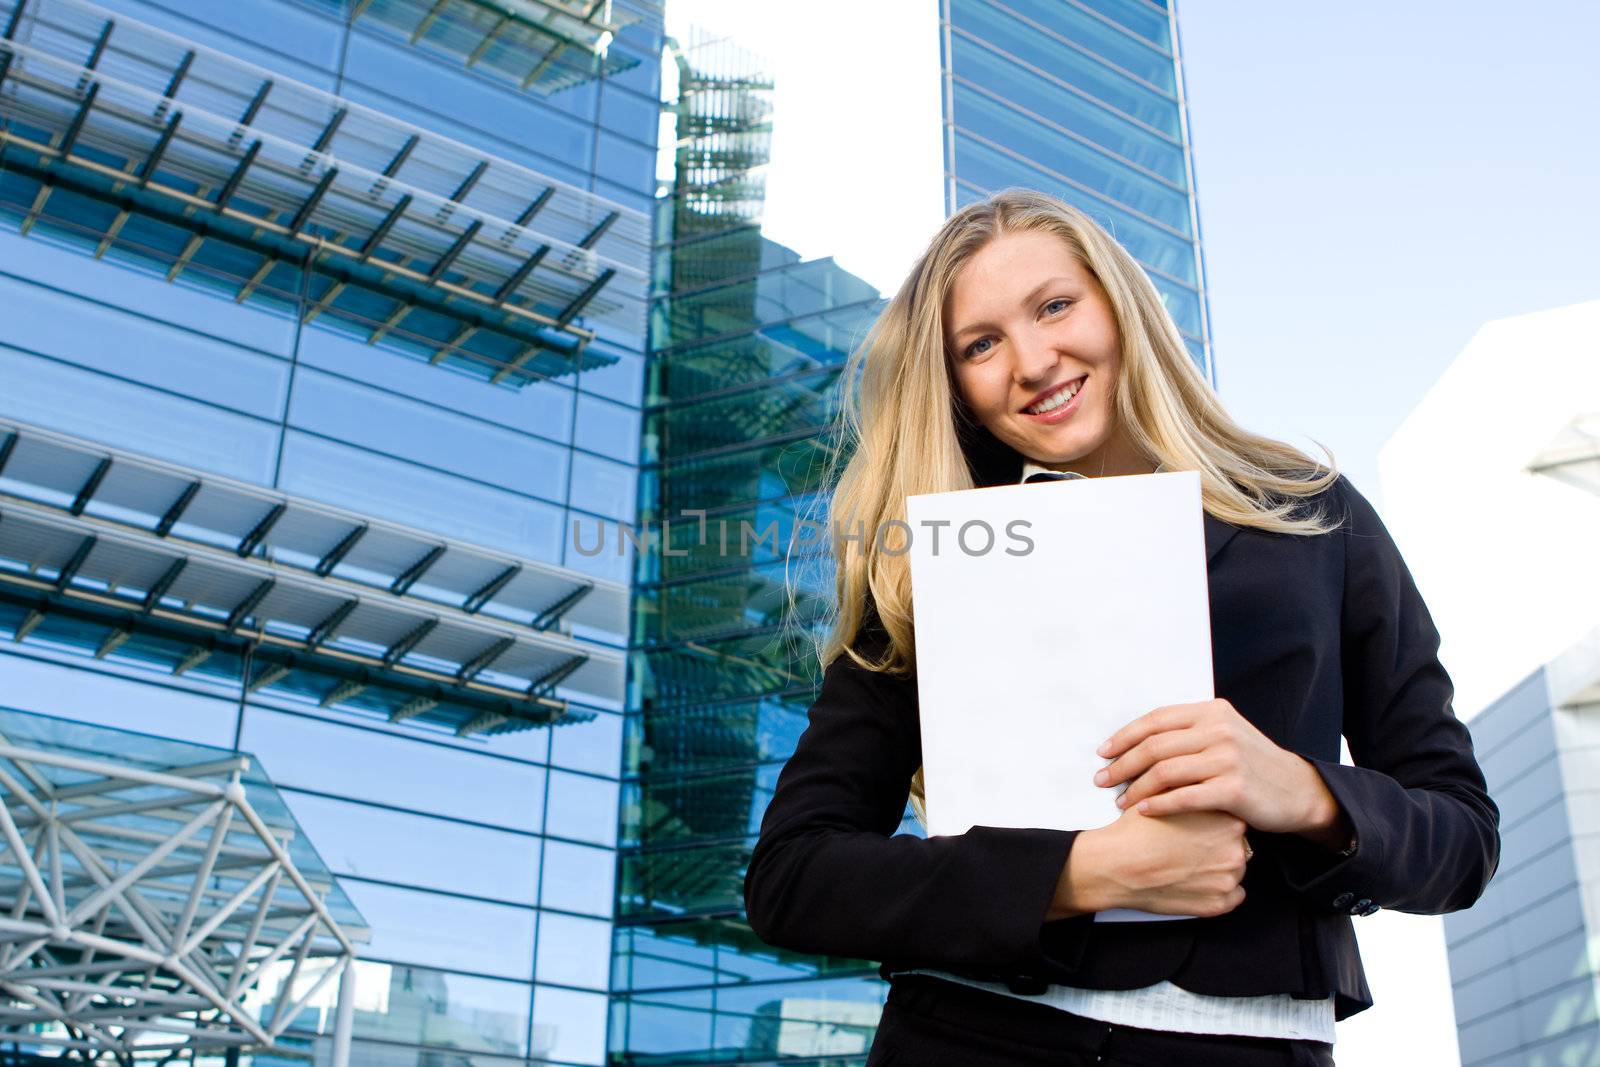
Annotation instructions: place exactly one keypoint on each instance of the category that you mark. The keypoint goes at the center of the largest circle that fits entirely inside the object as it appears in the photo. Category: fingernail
(1101, 777)
(1122, 802)
(1104, 749)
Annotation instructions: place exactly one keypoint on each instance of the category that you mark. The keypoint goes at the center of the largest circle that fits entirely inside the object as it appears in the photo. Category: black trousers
(930, 1022)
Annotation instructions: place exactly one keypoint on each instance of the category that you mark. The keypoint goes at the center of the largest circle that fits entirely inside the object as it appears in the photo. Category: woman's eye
(1056, 306)
(979, 347)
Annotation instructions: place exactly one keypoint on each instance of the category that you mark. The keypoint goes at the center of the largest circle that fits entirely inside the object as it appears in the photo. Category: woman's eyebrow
(1026, 301)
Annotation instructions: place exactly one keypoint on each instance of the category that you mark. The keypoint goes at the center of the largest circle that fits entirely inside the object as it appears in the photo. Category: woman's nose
(1034, 359)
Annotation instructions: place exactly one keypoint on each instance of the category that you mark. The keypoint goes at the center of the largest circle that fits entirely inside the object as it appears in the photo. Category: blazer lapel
(1218, 533)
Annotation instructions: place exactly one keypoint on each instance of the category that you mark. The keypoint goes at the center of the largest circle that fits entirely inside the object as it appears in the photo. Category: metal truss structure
(147, 910)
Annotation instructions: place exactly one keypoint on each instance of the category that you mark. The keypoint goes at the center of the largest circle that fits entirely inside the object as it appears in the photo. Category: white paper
(1088, 609)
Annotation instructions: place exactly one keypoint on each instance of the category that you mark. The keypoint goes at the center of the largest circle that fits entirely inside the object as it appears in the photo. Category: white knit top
(1165, 1006)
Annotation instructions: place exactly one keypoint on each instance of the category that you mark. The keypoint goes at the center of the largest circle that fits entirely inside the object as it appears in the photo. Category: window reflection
(392, 846)
(328, 757)
(578, 878)
(569, 1025)
(574, 951)
(433, 930)
(582, 808)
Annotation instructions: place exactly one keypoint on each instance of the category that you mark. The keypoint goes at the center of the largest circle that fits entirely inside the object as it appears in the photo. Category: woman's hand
(1208, 757)
(1187, 864)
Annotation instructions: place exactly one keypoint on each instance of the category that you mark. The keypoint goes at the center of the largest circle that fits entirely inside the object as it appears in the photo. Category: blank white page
(1089, 609)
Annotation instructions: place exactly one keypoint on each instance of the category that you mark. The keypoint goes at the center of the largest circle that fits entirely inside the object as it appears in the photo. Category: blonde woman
(1026, 342)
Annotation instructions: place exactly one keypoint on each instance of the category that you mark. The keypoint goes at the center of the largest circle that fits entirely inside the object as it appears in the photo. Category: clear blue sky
(1376, 180)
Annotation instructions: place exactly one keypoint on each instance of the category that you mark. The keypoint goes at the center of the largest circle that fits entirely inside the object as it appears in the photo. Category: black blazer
(1312, 636)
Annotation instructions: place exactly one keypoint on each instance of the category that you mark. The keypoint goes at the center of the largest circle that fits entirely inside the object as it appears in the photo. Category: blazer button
(1360, 907)
(1342, 901)
(1369, 909)
(1028, 987)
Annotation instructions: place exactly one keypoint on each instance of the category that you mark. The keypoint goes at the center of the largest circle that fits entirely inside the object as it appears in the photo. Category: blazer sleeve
(1427, 831)
(827, 877)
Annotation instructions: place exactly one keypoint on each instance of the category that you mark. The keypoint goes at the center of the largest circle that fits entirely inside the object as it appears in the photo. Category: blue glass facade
(353, 323)
(1083, 99)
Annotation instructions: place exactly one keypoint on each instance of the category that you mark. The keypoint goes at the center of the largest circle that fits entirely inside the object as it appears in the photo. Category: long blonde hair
(911, 432)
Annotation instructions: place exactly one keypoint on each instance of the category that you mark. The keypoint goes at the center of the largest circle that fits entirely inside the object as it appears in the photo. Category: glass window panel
(543, 409)
(380, 1054)
(302, 44)
(1182, 303)
(1010, 34)
(1139, 17)
(449, 933)
(987, 168)
(628, 197)
(613, 562)
(1051, 149)
(602, 487)
(815, 1018)
(406, 429)
(621, 336)
(594, 746)
(445, 96)
(365, 764)
(38, 261)
(1122, 49)
(673, 1031)
(569, 1026)
(626, 161)
(136, 417)
(431, 1007)
(609, 429)
(582, 808)
(90, 695)
(642, 38)
(1036, 92)
(75, 330)
(402, 1003)
(573, 951)
(392, 846)
(291, 30)
(578, 878)
(352, 478)
(629, 114)
(650, 956)
(643, 77)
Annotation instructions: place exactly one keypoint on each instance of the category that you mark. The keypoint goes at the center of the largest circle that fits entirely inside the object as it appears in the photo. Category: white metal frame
(139, 909)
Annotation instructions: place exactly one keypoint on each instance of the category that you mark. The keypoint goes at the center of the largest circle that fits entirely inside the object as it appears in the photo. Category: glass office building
(746, 340)
(1083, 99)
(321, 321)
(1522, 965)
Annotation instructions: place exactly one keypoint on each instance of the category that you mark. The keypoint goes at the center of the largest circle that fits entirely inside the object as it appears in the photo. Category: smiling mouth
(1056, 399)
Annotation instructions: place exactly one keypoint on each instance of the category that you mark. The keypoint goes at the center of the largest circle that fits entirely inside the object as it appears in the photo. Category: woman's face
(1028, 326)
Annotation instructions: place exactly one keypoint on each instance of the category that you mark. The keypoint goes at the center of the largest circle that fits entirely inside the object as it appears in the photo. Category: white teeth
(1055, 401)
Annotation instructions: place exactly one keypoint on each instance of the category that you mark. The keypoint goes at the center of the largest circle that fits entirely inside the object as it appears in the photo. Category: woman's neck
(1117, 457)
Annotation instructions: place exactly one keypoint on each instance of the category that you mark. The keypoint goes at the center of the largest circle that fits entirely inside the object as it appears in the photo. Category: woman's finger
(1148, 753)
(1203, 796)
(1169, 774)
(1167, 717)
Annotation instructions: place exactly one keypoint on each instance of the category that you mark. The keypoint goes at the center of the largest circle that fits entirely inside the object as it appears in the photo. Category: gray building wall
(1523, 982)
